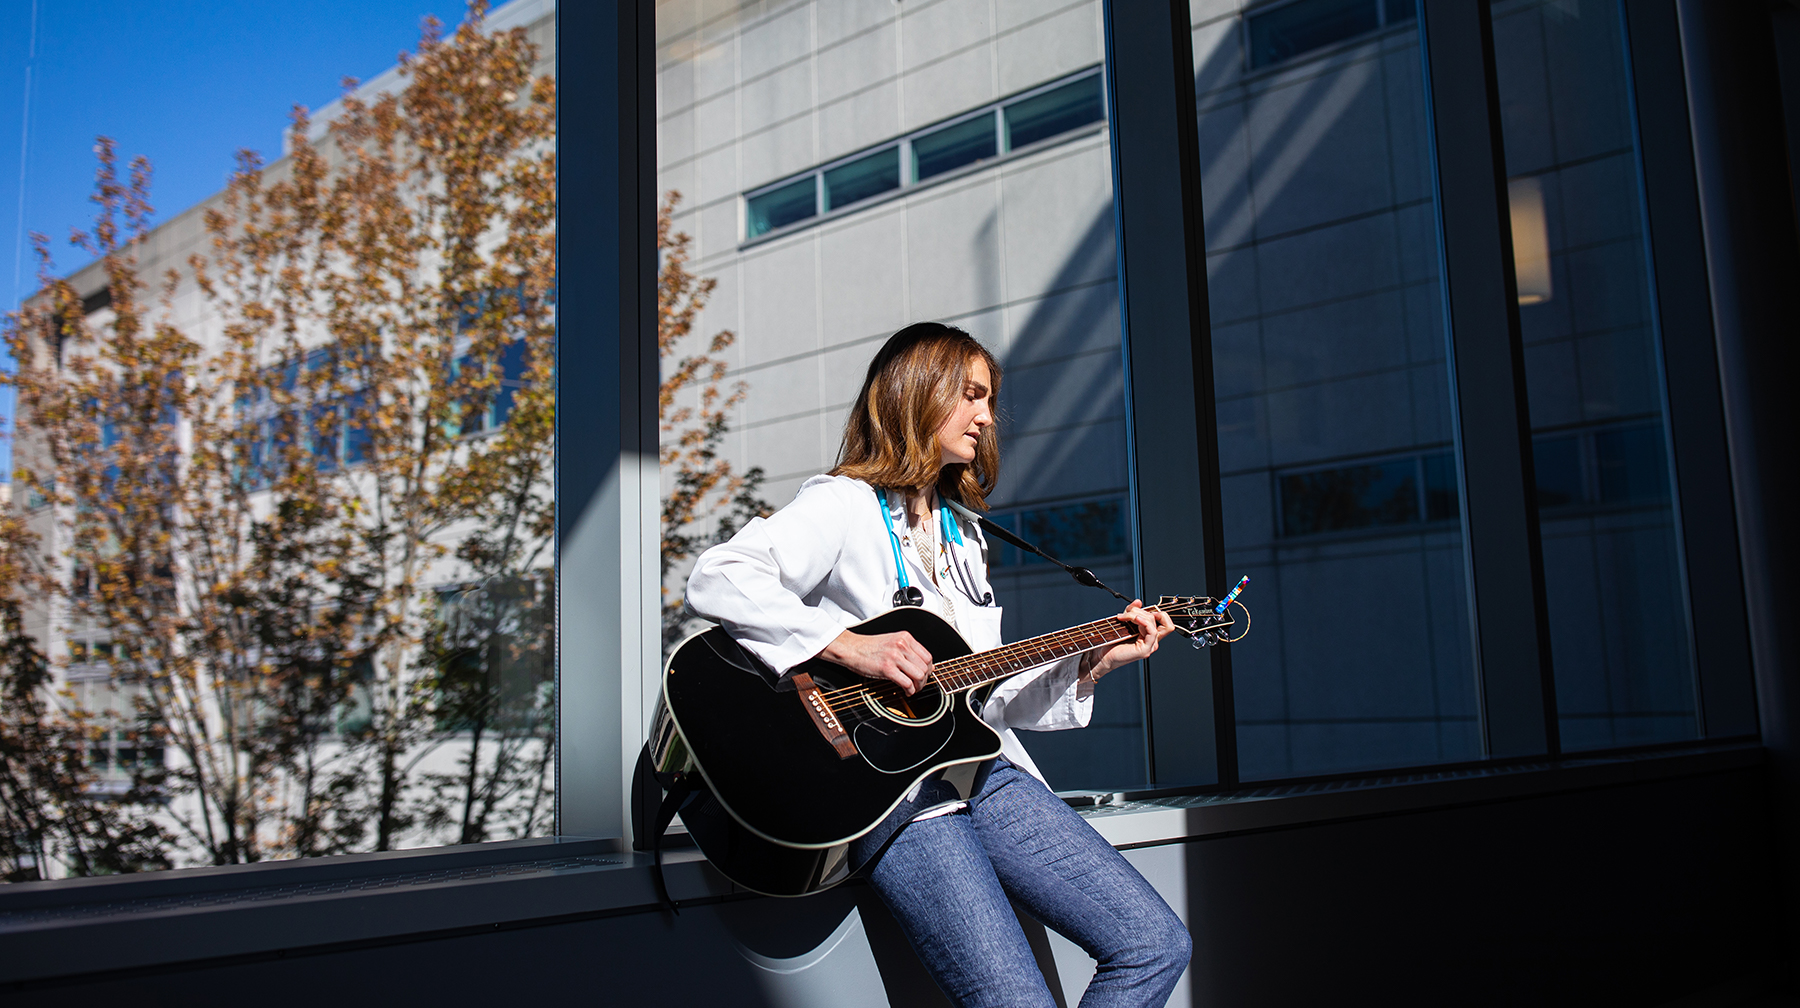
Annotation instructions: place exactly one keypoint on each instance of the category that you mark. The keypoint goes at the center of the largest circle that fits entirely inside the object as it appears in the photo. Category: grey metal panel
(1696, 409)
(1168, 348)
(1493, 444)
(606, 424)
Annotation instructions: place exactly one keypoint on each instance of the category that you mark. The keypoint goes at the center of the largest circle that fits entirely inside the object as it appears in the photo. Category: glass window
(862, 178)
(952, 147)
(1018, 251)
(1293, 29)
(1073, 533)
(1056, 111)
(1296, 28)
(1618, 625)
(782, 206)
(1351, 497)
(1332, 390)
(298, 483)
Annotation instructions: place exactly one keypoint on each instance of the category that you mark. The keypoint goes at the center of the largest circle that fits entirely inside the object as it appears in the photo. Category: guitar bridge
(822, 715)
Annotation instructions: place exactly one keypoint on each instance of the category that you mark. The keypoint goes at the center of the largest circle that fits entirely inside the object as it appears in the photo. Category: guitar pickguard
(894, 747)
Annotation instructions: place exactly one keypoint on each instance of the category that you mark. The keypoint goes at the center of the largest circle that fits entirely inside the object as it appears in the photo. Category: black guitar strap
(1082, 575)
(680, 790)
(674, 790)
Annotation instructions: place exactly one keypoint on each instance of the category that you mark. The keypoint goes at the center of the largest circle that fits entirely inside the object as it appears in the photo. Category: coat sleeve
(1048, 698)
(756, 585)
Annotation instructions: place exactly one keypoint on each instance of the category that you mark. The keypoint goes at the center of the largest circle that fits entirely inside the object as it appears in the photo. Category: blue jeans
(948, 880)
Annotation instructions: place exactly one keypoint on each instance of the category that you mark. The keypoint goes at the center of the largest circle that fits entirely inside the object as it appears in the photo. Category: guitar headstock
(1197, 617)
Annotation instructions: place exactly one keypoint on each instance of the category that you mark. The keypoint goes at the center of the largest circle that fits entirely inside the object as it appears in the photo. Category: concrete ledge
(1126, 820)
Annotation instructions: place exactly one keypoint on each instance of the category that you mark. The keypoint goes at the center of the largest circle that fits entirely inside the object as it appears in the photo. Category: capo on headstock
(1206, 621)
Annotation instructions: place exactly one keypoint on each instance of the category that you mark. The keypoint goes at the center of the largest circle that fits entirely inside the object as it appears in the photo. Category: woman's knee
(1177, 944)
(1164, 945)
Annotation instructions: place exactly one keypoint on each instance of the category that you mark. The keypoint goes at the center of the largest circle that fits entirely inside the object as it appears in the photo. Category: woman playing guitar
(874, 533)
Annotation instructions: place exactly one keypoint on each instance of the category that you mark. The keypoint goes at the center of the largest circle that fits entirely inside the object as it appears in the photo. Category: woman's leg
(1054, 865)
(936, 880)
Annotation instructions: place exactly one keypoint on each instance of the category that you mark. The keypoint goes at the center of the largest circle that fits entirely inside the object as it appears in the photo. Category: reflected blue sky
(185, 83)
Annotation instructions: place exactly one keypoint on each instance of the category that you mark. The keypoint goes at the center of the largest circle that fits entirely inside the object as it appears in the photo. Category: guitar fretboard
(985, 667)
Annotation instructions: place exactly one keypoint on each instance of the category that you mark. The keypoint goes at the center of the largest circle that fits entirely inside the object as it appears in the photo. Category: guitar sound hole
(925, 705)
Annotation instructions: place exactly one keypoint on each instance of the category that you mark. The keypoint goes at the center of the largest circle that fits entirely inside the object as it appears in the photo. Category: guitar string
(996, 656)
(954, 668)
(999, 655)
(948, 680)
(950, 674)
(888, 690)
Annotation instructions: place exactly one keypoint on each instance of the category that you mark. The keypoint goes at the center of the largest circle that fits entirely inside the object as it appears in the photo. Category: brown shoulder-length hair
(913, 386)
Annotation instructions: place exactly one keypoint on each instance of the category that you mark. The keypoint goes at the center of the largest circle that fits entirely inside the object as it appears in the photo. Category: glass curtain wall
(1335, 433)
(283, 527)
(834, 171)
(1612, 562)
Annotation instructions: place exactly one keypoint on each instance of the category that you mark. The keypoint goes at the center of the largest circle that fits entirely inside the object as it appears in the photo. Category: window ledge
(73, 927)
(80, 927)
(1144, 819)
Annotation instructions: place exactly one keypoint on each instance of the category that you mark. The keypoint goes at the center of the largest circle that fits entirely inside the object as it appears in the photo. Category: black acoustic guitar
(796, 769)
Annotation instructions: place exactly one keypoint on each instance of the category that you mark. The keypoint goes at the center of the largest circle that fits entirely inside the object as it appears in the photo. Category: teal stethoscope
(909, 594)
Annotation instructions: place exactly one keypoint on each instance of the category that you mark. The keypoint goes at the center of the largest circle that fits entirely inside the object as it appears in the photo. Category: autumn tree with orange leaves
(706, 500)
(317, 536)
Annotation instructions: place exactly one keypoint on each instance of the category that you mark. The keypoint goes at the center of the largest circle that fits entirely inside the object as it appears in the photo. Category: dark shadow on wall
(1063, 415)
(1323, 280)
(1609, 897)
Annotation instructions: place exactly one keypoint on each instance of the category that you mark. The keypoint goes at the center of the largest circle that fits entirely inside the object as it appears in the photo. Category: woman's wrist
(1089, 668)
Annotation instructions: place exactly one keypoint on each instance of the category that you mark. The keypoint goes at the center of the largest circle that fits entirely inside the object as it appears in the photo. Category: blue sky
(185, 83)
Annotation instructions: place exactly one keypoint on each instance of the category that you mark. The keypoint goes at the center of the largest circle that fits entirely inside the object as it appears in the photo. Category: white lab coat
(785, 586)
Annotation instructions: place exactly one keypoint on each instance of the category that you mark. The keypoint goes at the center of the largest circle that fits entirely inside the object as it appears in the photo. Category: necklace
(924, 538)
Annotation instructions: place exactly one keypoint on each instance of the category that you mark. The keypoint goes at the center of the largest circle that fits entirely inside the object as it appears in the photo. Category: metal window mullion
(1504, 564)
(1171, 424)
(1683, 310)
(607, 599)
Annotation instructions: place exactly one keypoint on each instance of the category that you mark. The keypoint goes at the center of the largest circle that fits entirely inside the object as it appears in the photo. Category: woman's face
(974, 414)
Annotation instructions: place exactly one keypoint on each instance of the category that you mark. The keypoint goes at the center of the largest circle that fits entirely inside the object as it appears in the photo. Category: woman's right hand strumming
(896, 657)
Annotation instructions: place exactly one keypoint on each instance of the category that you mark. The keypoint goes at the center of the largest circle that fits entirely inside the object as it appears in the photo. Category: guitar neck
(981, 668)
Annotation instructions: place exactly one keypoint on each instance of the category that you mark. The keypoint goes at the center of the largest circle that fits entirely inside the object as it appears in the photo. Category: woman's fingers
(911, 662)
(1150, 626)
(896, 657)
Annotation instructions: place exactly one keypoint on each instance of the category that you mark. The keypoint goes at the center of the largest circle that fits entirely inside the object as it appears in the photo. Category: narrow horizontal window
(993, 131)
(862, 178)
(952, 147)
(781, 207)
(1351, 497)
(1045, 115)
(1617, 466)
(1631, 466)
(1556, 467)
(1442, 498)
(1292, 29)
(1069, 532)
